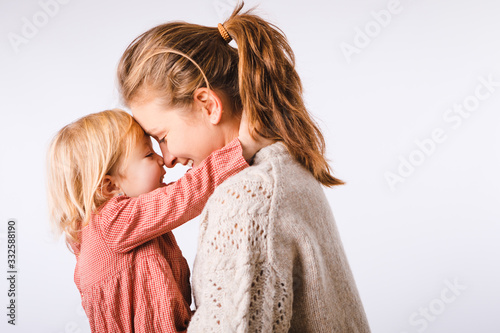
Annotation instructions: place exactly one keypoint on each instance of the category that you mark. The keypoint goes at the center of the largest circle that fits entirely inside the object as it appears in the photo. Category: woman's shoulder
(273, 177)
(275, 196)
(263, 173)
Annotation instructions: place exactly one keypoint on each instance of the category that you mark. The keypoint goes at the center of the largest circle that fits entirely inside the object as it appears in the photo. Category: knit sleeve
(126, 222)
(238, 288)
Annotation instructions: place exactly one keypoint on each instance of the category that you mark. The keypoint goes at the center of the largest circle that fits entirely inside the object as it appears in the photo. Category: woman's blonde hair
(79, 157)
(176, 58)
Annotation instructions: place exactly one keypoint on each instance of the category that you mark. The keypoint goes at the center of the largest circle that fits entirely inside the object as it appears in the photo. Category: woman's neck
(230, 130)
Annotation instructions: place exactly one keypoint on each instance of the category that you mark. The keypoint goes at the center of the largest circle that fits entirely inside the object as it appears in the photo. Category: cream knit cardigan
(269, 255)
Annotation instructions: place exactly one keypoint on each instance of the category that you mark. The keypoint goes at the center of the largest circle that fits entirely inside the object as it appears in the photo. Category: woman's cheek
(179, 148)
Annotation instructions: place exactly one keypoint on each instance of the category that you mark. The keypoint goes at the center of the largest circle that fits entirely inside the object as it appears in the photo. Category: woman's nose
(169, 160)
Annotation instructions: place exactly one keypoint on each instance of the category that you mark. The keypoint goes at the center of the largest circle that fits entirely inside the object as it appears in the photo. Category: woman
(269, 255)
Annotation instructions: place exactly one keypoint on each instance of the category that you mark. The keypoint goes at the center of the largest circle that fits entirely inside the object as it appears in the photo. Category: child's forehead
(145, 140)
(142, 142)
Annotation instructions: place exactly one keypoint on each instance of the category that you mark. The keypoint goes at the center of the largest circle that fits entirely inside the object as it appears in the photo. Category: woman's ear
(110, 187)
(210, 104)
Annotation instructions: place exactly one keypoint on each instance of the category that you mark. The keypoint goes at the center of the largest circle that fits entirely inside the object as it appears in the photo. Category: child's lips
(161, 181)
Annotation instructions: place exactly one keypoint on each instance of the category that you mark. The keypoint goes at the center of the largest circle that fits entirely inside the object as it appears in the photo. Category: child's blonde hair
(79, 157)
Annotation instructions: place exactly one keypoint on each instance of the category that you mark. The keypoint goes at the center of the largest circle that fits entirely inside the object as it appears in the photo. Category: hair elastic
(224, 33)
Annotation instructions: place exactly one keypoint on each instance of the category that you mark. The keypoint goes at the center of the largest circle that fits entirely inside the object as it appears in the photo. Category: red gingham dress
(130, 271)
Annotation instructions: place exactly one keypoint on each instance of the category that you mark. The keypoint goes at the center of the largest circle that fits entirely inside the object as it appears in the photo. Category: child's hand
(249, 144)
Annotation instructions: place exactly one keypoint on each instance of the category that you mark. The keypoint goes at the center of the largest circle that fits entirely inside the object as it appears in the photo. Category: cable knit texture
(270, 257)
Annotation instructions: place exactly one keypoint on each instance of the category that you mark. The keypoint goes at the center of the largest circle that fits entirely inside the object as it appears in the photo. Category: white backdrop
(407, 93)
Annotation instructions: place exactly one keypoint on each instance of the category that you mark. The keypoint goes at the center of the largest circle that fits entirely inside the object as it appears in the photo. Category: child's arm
(126, 222)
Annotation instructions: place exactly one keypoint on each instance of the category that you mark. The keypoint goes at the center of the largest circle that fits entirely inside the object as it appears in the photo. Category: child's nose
(159, 159)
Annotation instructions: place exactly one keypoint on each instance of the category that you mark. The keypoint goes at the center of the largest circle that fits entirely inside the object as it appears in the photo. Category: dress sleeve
(126, 222)
(238, 288)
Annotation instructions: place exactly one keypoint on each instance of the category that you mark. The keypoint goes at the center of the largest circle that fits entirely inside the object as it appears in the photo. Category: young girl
(106, 193)
(269, 256)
